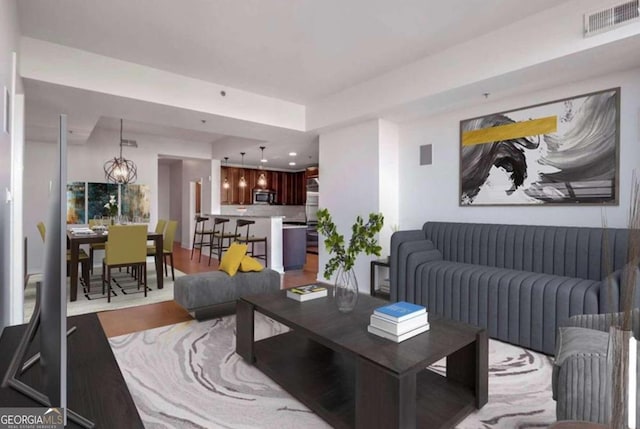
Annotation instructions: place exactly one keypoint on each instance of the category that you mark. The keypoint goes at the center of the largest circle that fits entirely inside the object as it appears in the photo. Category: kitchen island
(294, 246)
(265, 226)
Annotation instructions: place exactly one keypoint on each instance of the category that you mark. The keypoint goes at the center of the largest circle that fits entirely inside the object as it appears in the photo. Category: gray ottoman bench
(205, 294)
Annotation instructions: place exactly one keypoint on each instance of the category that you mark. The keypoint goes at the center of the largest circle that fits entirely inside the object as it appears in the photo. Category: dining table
(75, 240)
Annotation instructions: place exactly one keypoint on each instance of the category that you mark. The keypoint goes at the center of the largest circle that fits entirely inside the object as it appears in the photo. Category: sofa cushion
(232, 258)
(250, 264)
(217, 287)
(519, 307)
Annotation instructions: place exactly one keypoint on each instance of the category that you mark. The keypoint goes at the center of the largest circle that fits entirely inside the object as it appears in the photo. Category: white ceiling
(130, 128)
(298, 50)
(87, 110)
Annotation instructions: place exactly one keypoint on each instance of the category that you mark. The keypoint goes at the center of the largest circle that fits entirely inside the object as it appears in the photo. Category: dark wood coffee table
(352, 378)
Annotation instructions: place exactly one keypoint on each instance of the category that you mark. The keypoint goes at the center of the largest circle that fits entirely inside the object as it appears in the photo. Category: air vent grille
(129, 143)
(610, 18)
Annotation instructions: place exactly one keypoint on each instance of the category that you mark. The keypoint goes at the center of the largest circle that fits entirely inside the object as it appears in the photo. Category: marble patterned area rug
(125, 292)
(187, 375)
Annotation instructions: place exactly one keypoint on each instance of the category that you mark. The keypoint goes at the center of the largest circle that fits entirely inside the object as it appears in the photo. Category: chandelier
(120, 170)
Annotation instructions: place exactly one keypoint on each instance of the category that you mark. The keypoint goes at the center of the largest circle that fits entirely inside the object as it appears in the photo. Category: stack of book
(306, 293)
(399, 321)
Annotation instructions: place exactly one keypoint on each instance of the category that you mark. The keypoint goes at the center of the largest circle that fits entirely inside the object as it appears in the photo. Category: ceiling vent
(129, 143)
(611, 18)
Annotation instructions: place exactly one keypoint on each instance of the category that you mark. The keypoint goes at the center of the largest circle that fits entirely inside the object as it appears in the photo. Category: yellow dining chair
(94, 246)
(126, 247)
(167, 244)
(151, 249)
(83, 258)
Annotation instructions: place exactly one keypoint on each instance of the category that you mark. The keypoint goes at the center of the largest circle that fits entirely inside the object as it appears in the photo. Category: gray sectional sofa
(519, 282)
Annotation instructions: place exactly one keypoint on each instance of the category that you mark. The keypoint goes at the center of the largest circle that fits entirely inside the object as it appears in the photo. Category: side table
(376, 290)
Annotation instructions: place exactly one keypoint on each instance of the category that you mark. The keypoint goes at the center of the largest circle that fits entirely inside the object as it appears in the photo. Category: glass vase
(346, 290)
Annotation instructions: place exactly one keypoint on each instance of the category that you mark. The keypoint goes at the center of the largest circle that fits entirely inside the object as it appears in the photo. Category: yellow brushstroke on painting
(533, 127)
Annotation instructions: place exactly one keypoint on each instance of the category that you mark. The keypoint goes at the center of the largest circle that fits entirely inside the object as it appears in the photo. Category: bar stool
(246, 239)
(219, 236)
(200, 233)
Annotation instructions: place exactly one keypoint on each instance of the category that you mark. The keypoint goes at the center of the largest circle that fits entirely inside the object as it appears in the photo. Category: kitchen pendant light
(262, 179)
(243, 182)
(120, 170)
(225, 184)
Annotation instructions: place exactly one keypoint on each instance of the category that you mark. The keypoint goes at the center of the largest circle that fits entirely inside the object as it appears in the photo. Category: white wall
(538, 39)
(164, 191)
(86, 164)
(82, 69)
(388, 187)
(430, 193)
(348, 160)
(194, 171)
(9, 34)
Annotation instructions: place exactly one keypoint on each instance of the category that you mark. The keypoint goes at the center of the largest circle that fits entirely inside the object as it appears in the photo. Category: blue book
(399, 311)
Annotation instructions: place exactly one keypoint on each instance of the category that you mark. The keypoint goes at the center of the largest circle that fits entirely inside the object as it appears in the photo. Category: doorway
(198, 207)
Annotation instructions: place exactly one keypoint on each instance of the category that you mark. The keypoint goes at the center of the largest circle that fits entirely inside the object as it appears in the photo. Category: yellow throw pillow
(232, 257)
(250, 264)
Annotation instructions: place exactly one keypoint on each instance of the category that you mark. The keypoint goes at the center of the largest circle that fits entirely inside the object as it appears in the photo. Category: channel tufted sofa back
(519, 282)
(558, 250)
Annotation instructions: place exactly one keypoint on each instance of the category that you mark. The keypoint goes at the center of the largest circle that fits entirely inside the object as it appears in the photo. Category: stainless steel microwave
(264, 196)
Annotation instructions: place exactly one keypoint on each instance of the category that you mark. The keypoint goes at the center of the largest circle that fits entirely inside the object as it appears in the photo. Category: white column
(214, 180)
(16, 315)
(274, 237)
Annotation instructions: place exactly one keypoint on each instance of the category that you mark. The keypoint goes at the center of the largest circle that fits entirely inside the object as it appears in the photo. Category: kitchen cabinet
(235, 194)
(290, 187)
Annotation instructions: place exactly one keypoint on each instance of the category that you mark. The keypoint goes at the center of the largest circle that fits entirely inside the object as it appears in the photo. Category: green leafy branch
(362, 240)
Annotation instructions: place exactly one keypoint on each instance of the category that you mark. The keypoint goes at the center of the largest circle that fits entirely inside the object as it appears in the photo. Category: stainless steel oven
(264, 196)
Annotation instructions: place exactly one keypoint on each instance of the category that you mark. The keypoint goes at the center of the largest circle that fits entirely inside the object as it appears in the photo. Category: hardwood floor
(128, 320)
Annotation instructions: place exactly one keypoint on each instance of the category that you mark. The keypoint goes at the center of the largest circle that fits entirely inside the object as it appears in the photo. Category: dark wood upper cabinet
(312, 172)
(290, 187)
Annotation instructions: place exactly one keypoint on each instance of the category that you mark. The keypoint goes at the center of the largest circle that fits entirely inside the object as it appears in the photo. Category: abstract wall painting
(136, 202)
(97, 196)
(76, 208)
(562, 152)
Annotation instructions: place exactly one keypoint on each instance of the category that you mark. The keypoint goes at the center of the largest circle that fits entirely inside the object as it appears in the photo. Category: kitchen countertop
(243, 216)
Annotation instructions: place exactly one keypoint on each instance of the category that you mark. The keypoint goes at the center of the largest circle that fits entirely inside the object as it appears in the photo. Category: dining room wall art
(98, 195)
(86, 200)
(136, 201)
(76, 202)
(562, 152)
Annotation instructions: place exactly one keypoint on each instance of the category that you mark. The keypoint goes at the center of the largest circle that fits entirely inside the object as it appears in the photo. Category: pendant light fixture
(225, 184)
(242, 183)
(262, 179)
(120, 170)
